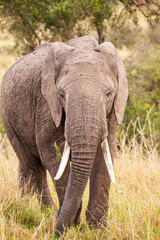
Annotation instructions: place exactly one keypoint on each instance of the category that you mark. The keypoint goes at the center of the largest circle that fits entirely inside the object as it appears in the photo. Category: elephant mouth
(106, 154)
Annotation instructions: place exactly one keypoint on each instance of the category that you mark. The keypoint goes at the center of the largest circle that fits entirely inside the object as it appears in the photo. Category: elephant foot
(57, 235)
(47, 203)
(96, 221)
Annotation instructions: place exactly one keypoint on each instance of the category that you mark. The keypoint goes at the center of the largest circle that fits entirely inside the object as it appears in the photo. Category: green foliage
(61, 18)
(23, 214)
(143, 74)
(58, 152)
(24, 20)
(98, 11)
(35, 21)
(2, 131)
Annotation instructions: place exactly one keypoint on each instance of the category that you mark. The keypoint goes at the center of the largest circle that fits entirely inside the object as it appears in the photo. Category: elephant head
(87, 81)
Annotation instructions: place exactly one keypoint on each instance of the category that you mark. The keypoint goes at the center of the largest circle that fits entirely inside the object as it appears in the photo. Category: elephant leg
(61, 184)
(30, 166)
(46, 136)
(97, 210)
(35, 180)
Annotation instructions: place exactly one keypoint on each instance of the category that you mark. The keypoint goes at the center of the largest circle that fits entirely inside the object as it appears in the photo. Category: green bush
(2, 131)
(143, 73)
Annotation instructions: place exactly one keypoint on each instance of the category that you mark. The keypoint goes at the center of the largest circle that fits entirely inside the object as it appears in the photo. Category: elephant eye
(61, 94)
(108, 94)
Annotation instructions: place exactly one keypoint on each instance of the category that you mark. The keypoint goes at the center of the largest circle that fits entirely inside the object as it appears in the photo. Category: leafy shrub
(2, 131)
(143, 73)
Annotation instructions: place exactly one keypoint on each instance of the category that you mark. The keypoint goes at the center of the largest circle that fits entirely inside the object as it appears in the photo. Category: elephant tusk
(64, 161)
(108, 160)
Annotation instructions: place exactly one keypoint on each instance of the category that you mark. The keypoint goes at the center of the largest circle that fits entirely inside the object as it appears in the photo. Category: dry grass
(134, 200)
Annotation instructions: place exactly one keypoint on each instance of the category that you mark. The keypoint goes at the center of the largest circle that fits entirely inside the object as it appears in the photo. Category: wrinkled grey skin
(66, 91)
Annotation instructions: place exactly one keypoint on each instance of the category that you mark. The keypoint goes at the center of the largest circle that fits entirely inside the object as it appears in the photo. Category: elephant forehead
(85, 70)
(78, 56)
(95, 65)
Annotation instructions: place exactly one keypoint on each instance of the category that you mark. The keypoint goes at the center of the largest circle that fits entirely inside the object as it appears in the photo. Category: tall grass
(134, 211)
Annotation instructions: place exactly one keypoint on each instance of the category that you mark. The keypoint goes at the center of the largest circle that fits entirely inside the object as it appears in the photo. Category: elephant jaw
(106, 154)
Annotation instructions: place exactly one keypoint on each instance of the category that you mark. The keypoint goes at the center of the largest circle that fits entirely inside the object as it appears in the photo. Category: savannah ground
(134, 206)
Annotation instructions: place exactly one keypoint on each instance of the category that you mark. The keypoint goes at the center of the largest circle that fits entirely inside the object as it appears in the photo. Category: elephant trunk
(82, 158)
(83, 134)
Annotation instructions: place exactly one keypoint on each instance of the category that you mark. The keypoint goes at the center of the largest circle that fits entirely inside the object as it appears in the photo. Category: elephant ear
(122, 91)
(48, 81)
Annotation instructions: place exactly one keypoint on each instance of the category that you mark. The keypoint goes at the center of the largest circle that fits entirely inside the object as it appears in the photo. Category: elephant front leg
(97, 210)
(35, 181)
(60, 184)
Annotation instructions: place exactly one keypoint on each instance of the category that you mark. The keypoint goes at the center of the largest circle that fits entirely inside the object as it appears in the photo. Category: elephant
(74, 94)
